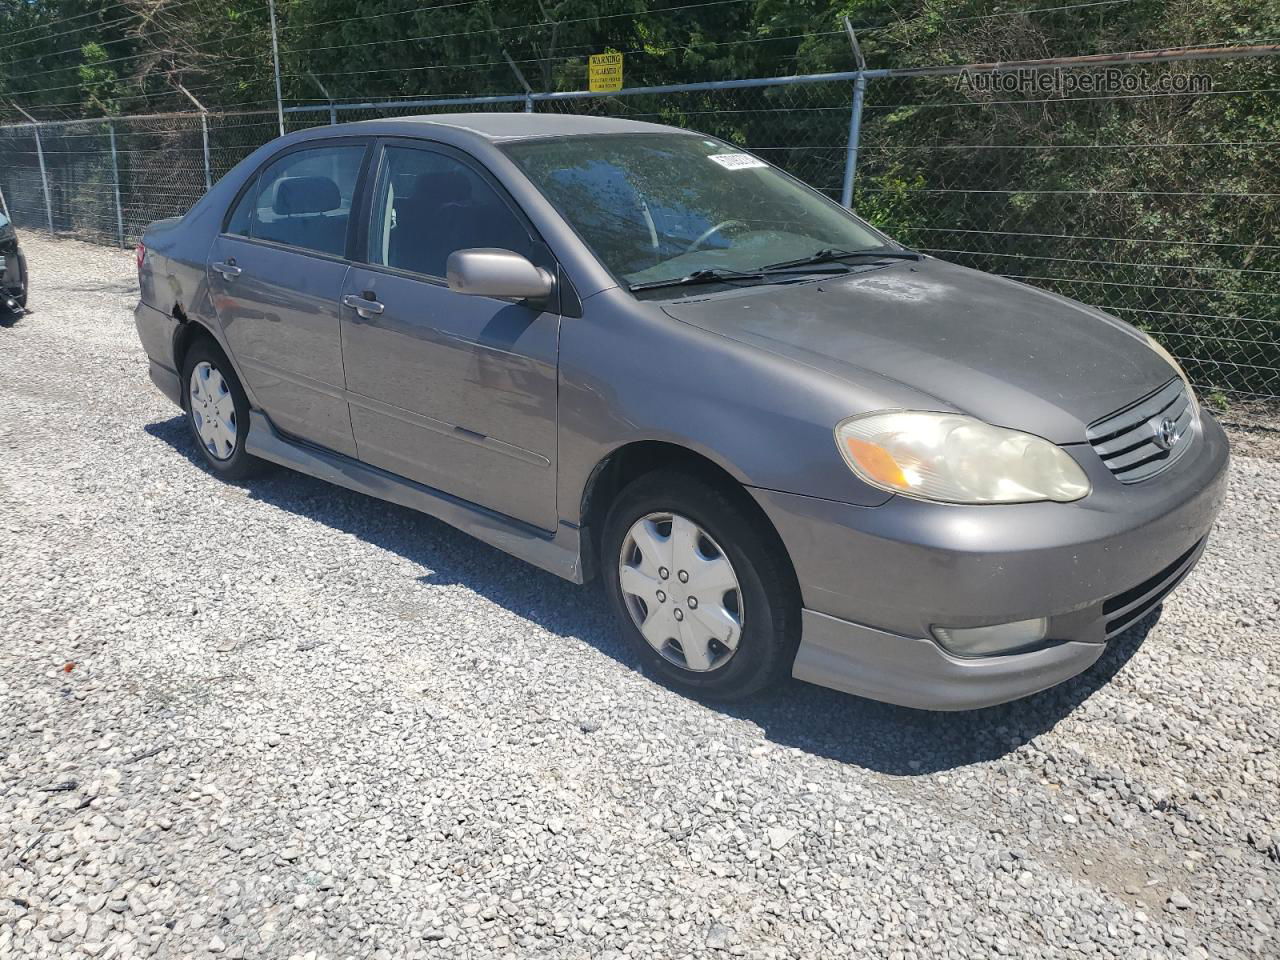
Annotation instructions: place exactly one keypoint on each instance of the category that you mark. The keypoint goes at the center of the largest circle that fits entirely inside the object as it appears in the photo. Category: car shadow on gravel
(905, 742)
(878, 736)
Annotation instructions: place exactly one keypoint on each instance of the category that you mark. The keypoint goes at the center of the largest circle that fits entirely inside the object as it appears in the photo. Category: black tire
(240, 464)
(25, 290)
(770, 603)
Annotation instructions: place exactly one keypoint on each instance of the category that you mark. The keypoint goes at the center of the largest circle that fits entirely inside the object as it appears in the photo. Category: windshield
(659, 206)
(4, 221)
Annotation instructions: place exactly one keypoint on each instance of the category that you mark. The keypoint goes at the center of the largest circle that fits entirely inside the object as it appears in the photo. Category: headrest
(446, 186)
(296, 195)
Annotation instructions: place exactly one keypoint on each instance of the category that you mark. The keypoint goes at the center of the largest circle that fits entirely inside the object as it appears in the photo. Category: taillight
(141, 253)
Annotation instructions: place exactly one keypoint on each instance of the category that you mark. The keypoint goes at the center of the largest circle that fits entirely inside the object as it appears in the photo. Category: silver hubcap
(213, 411)
(681, 591)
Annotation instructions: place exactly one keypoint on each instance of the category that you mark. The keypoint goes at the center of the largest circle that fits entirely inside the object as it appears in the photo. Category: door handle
(228, 270)
(366, 308)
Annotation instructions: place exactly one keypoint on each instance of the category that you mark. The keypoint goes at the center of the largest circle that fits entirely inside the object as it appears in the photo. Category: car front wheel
(24, 291)
(704, 596)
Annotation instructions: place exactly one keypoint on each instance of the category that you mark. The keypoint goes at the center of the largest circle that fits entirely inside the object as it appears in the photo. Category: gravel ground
(285, 720)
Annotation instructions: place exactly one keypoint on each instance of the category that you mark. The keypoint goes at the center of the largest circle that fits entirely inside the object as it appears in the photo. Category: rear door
(456, 392)
(276, 273)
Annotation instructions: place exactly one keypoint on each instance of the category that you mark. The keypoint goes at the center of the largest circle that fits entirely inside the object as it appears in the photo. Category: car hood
(1011, 354)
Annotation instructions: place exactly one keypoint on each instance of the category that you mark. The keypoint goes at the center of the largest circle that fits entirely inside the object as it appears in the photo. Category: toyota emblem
(1167, 433)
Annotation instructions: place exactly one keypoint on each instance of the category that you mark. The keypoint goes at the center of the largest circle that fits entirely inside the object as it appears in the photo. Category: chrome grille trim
(1127, 439)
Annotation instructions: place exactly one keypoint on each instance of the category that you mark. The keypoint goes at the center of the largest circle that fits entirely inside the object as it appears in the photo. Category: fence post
(44, 176)
(275, 62)
(333, 110)
(115, 181)
(855, 118)
(851, 150)
(204, 136)
(528, 90)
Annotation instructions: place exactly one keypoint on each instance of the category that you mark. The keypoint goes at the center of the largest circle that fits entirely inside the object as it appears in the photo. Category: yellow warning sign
(604, 73)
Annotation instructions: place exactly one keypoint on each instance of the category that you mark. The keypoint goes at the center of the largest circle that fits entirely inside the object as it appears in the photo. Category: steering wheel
(711, 231)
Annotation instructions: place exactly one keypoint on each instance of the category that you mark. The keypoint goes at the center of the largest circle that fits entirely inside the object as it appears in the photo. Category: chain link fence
(20, 179)
(108, 179)
(1124, 197)
(1124, 200)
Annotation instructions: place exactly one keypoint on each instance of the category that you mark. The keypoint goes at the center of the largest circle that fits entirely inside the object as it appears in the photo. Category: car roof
(505, 127)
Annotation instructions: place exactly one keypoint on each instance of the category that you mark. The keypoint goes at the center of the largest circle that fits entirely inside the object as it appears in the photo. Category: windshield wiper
(719, 275)
(707, 275)
(831, 254)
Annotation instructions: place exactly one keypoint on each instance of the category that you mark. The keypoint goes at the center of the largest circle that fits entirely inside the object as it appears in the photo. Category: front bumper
(918, 673)
(875, 579)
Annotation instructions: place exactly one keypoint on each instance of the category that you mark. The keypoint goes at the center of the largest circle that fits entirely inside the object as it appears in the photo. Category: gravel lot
(286, 720)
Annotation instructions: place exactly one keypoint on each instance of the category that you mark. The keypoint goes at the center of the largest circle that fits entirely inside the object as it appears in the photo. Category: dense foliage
(74, 57)
(1162, 208)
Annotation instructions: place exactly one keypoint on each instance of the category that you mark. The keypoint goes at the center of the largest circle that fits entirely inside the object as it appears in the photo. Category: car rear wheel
(217, 411)
(704, 598)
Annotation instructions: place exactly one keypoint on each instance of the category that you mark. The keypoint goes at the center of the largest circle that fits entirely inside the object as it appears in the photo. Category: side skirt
(559, 553)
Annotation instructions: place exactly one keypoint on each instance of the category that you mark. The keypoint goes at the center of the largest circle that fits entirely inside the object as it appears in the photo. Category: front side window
(428, 205)
(657, 206)
(303, 200)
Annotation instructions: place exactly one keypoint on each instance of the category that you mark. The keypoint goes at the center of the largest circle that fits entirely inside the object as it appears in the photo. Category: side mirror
(492, 272)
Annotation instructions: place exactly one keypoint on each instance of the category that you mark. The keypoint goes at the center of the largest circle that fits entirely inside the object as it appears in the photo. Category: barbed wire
(303, 53)
(1168, 225)
(114, 60)
(122, 39)
(526, 61)
(68, 19)
(360, 18)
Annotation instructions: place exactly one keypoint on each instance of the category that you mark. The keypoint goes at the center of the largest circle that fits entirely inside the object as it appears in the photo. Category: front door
(276, 274)
(455, 392)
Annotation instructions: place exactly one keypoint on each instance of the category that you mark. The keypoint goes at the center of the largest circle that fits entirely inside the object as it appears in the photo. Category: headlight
(1182, 375)
(957, 459)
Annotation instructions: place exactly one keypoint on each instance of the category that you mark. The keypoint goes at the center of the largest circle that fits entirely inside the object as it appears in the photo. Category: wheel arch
(187, 332)
(640, 457)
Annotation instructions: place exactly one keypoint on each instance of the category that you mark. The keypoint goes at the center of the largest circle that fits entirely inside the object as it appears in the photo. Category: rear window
(303, 200)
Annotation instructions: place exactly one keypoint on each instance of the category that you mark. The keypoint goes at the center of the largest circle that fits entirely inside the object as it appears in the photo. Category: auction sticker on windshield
(736, 161)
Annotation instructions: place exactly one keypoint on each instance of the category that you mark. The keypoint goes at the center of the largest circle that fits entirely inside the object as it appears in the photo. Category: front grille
(1145, 437)
(1125, 609)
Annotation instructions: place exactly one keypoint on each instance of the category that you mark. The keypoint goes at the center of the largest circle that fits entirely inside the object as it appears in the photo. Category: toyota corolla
(784, 443)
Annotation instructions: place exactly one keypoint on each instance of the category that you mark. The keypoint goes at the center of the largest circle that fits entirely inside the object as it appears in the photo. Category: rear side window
(303, 200)
(238, 225)
(428, 205)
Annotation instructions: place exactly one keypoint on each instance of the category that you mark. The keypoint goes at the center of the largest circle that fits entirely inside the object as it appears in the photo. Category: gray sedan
(620, 351)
